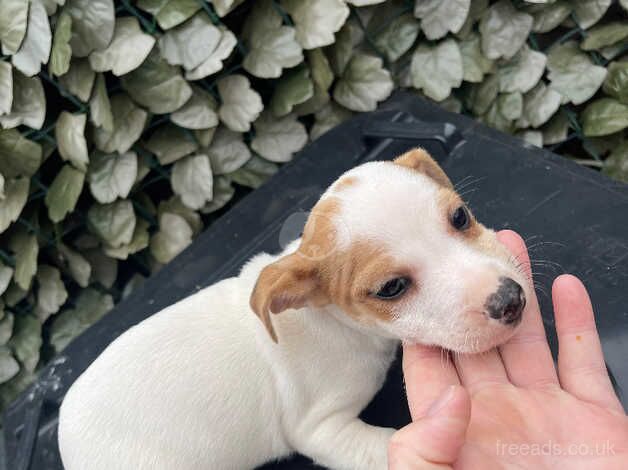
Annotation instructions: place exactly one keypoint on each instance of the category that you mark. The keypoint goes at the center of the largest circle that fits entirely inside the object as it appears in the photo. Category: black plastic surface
(573, 219)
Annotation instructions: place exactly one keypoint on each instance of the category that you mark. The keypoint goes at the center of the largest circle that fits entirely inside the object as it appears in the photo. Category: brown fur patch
(421, 161)
(345, 182)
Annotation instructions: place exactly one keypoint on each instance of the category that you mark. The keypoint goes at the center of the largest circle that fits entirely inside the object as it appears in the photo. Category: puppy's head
(396, 249)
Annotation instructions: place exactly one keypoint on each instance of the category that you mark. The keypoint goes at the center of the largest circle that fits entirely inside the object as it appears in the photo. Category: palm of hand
(548, 428)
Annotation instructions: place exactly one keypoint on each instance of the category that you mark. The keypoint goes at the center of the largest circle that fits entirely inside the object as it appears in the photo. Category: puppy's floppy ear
(419, 160)
(287, 283)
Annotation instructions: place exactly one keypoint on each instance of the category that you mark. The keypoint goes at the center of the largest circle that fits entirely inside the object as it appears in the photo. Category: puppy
(389, 253)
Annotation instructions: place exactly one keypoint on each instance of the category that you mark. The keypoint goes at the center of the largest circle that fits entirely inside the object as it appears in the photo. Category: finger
(581, 368)
(477, 370)
(433, 441)
(428, 372)
(527, 356)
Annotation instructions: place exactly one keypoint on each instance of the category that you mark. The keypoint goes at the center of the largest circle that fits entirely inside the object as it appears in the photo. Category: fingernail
(439, 404)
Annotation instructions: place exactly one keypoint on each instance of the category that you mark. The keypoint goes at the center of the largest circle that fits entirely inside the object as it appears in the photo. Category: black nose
(507, 303)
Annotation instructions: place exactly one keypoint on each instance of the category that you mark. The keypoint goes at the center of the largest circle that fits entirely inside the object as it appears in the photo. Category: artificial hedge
(126, 125)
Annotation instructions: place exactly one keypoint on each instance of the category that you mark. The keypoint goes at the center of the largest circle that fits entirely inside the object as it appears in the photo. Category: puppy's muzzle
(507, 303)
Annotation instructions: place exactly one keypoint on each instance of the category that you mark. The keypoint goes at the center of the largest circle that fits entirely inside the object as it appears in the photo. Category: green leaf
(223, 7)
(227, 152)
(321, 72)
(214, 62)
(616, 83)
(589, 12)
(93, 22)
(29, 103)
(278, 139)
(539, 106)
(556, 130)
(138, 242)
(112, 176)
(439, 17)
(79, 79)
(610, 52)
(271, 46)
(605, 35)
(328, 117)
(254, 173)
(624, 4)
(616, 165)
(223, 193)
(35, 49)
(294, 88)
(64, 192)
(91, 305)
(474, 64)
(18, 155)
(24, 247)
(6, 87)
(341, 51)
(75, 265)
(495, 118)
(175, 206)
(204, 137)
(8, 365)
(397, 35)
(362, 3)
(61, 52)
(105, 268)
(550, 16)
(13, 22)
(523, 71)
(241, 105)
(604, 116)
(70, 134)
(531, 137)
(316, 22)
(510, 105)
(170, 13)
(16, 194)
(174, 235)
(6, 274)
(169, 143)
(127, 50)
(504, 30)
(128, 124)
(113, 223)
(52, 6)
(198, 113)
(26, 341)
(572, 73)
(100, 106)
(191, 43)
(364, 83)
(157, 85)
(437, 69)
(476, 11)
(192, 181)
(51, 293)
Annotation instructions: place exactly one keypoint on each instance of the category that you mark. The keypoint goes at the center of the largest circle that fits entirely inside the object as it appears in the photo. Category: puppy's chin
(470, 344)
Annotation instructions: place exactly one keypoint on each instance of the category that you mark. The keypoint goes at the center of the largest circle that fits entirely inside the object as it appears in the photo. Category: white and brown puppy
(389, 253)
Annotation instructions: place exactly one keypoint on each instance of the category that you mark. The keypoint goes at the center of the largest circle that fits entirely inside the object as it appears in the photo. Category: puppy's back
(179, 390)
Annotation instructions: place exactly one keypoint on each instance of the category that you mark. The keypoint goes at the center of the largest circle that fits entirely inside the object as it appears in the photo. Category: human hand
(523, 412)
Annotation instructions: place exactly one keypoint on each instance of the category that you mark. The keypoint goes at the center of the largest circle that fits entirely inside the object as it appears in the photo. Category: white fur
(200, 385)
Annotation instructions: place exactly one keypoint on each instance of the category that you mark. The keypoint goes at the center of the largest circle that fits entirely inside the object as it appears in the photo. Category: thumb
(435, 439)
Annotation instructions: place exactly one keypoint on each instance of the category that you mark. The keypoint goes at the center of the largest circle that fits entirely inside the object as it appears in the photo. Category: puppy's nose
(507, 303)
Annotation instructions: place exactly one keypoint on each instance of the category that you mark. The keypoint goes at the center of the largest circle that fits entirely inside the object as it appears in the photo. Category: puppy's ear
(287, 283)
(419, 160)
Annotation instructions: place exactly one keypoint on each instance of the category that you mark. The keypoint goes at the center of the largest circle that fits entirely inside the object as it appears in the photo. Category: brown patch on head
(449, 201)
(323, 272)
(352, 276)
(421, 161)
(345, 182)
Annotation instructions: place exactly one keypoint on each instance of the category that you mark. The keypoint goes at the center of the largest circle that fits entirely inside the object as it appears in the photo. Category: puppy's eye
(460, 218)
(393, 288)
